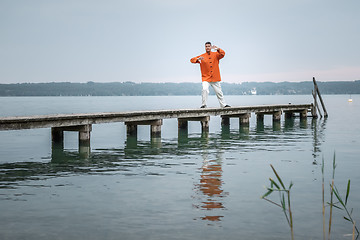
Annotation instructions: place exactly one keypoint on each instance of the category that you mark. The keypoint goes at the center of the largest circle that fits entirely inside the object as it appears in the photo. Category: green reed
(284, 195)
(340, 204)
(331, 203)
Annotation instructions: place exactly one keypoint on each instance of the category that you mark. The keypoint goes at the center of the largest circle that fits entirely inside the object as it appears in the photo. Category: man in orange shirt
(210, 73)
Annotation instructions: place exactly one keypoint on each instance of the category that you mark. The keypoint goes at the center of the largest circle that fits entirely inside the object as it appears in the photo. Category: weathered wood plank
(65, 120)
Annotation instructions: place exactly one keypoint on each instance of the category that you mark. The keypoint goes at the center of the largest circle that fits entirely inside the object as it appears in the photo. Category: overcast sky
(153, 40)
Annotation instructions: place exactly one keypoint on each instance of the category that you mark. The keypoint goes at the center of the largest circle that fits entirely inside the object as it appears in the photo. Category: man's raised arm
(196, 59)
(221, 53)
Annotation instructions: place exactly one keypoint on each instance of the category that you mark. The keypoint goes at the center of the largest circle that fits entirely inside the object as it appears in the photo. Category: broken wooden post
(313, 111)
(321, 100)
(316, 106)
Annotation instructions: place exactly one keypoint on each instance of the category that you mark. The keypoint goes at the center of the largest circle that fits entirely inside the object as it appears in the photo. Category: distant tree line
(164, 89)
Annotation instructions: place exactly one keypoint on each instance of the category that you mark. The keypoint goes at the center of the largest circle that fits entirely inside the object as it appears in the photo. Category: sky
(153, 40)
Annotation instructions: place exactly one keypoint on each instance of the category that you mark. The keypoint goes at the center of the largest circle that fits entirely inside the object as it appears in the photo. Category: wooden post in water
(277, 116)
(244, 119)
(84, 134)
(57, 143)
(303, 114)
(313, 111)
(57, 136)
(225, 120)
(316, 106)
(182, 124)
(260, 117)
(155, 128)
(205, 124)
(84, 140)
(289, 114)
(321, 100)
(131, 129)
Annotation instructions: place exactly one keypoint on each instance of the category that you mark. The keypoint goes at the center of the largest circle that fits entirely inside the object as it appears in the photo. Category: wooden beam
(321, 100)
(138, 117)
(316, 106)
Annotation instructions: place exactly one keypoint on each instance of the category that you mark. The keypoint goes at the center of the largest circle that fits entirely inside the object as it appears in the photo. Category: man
(210, 73)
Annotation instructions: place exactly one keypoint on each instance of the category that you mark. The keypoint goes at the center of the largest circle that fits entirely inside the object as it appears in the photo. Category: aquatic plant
(335, 191)
(344, 206)
(331, 203)
(284, 193)
(340, 204)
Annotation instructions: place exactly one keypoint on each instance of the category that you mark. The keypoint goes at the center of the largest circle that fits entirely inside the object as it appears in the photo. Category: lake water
(186, 186)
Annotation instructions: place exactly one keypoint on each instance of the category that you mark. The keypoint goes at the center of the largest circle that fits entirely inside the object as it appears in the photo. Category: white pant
(217, 88)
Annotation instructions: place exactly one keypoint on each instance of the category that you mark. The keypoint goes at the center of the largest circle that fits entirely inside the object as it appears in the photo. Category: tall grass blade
(274, 183)
(335, 206)
(272, 202)
(353, 233)
(332, 196)
(283, 202)
(268, 193)
(337, 195)
(323, 197)
(278, 177)
(347, 192)
(334, 165)
(290, 216)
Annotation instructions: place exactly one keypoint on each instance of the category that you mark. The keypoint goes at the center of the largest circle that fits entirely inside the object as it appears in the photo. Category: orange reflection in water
(210, 188)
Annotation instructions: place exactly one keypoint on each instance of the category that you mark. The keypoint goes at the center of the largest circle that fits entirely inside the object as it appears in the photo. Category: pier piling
(155, 127)
(277, 116)
(244, 119)
(57, 137)
(205, 124)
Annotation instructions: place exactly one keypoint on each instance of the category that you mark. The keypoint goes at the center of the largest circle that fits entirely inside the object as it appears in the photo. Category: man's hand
(214, 47)
(200, 58)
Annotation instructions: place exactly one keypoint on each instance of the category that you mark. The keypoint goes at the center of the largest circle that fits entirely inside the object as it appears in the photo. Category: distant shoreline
(173, 89)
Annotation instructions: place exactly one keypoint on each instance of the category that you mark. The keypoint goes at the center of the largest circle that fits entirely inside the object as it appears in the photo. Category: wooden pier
(82, 123)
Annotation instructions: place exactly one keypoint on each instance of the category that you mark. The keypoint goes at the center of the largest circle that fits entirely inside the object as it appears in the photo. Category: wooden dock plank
(63, 120)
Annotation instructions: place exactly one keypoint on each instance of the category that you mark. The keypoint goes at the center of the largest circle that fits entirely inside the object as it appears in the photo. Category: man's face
(207, 48)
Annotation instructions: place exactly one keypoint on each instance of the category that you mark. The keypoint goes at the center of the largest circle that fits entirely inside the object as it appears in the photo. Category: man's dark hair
(208, 43)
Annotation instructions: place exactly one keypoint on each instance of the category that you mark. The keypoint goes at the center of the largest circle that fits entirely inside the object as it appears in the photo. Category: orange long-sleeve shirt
(209, 66)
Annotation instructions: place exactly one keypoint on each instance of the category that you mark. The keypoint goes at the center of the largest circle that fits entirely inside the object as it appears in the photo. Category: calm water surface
(186, 186)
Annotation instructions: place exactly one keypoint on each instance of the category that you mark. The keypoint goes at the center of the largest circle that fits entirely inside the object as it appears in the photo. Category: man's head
(208, 47)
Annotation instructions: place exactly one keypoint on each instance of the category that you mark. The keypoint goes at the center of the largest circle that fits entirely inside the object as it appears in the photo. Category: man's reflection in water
(209, 190)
